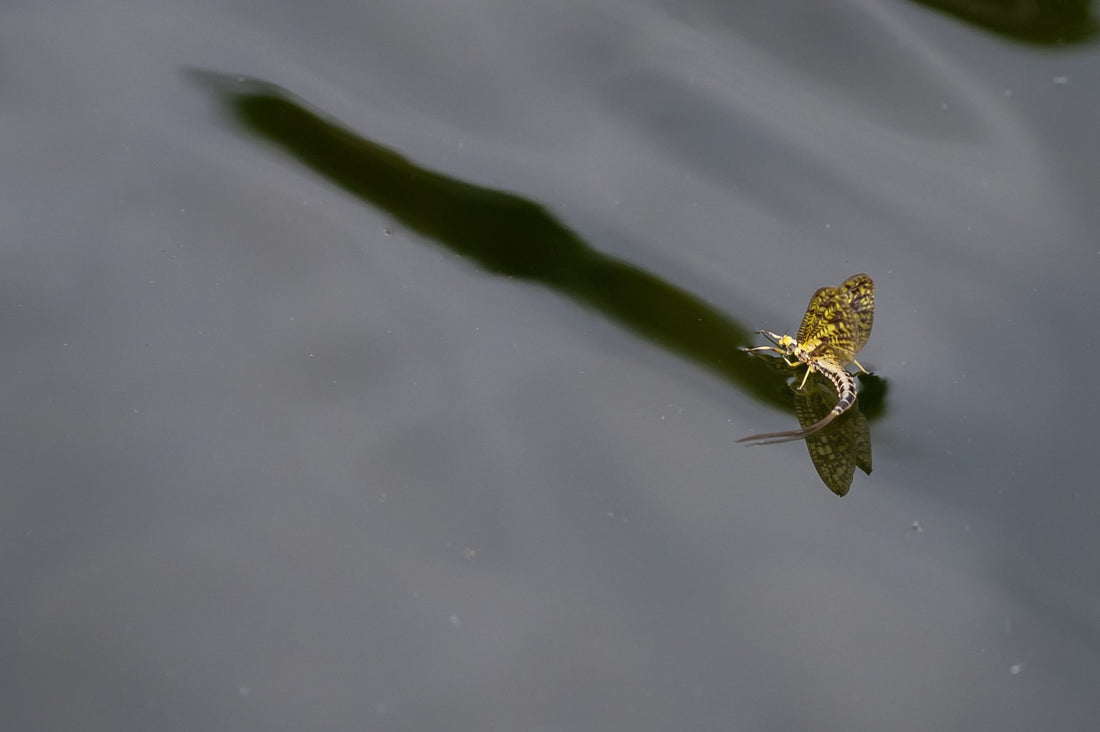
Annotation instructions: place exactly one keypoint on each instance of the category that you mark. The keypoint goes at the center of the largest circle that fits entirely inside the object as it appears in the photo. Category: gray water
(374, 366)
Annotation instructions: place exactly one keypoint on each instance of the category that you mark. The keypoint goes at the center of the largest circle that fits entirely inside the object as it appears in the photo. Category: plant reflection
(502, 233)
(1043, 22)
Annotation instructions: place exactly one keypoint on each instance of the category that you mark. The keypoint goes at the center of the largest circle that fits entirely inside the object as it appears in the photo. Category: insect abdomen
(845, 388)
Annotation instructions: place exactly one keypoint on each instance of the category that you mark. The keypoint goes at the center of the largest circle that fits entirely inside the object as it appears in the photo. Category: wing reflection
(841, 447)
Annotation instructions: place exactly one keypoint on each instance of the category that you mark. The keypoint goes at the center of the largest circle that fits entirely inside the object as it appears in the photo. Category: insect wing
(839, 448)
(828, 330)
(814, 311)
(859, 292)
(831, 448)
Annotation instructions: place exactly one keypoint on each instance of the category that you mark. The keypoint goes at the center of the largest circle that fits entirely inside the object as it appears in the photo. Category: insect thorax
(794, 349)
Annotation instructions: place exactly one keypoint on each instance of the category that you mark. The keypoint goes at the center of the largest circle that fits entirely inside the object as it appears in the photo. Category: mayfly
(834, 329)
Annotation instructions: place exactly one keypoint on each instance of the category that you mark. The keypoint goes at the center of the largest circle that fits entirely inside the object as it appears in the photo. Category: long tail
(846, 392)
(773, 438)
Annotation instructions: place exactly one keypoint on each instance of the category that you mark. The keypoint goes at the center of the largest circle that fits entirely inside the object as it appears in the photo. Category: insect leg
(763, 348)
(809, 370)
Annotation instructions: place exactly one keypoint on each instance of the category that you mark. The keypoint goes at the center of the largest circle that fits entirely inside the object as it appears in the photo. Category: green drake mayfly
(834, 329)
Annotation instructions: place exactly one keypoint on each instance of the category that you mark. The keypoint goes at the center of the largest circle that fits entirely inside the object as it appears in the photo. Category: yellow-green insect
(834, 329)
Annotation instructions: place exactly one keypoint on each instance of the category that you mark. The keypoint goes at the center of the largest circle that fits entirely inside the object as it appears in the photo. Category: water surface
(421, 412)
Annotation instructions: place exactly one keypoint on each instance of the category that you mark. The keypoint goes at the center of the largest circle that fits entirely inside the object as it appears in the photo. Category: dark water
(374, 366)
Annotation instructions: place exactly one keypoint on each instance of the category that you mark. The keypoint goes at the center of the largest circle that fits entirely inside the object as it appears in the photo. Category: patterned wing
(863, 443)
(828, 330)
(813, 313)
(859, 291)
(838, 449)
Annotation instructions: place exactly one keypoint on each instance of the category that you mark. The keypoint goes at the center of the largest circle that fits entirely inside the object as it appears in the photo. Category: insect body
(834, 329)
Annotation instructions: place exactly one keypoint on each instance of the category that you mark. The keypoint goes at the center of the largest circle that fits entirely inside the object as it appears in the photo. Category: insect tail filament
(846, 391)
